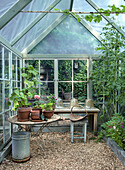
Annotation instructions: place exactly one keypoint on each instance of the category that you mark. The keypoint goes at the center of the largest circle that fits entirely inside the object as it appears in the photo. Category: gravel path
(63, 155)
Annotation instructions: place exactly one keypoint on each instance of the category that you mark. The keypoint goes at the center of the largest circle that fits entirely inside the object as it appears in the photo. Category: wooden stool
(75, 120)
(81, 135)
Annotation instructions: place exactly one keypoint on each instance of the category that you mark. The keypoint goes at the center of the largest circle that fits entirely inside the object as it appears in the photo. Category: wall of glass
(10, 78)
(69, 37)
(64, 78)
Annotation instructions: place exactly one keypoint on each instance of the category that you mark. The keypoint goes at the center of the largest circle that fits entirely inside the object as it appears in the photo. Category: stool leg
(85, 131)
(71, 131)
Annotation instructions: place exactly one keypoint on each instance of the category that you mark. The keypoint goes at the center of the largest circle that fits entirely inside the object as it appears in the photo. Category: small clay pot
(48, 114)
(35, 114)
(23, 114)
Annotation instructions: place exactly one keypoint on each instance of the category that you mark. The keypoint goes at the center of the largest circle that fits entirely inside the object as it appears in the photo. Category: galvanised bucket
(20, 146)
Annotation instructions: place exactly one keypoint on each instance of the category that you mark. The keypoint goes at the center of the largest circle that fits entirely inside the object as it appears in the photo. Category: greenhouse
(68, 57)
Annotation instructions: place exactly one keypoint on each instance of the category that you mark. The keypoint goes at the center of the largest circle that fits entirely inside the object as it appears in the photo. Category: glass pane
(41, 26)
(1, 86)
(6, 59)
(97, 65)
(18, 68)
(34, 63)
(13, 66)
(14, 85)
(69, 37)
(5, 5)
(1, 130)
(65, 90)
(46, 70)
(18, 84)
(80, 70)
(0, 61)
(7, 88)
(46, 89)
(7, 126)
(65, 70)
(80, 91)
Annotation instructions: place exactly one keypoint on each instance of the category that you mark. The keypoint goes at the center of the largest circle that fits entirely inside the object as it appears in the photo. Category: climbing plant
(96, 16)
(108, 75)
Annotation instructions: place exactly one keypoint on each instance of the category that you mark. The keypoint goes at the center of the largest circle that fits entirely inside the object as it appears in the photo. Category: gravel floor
(61, 154)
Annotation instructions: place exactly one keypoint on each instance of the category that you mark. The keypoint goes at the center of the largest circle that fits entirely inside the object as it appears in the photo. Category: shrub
(115, 129)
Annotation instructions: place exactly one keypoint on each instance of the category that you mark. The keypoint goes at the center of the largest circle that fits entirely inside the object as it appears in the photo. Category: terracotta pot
(23, 114)
(48, 114)
(40, 109)
(35, 114)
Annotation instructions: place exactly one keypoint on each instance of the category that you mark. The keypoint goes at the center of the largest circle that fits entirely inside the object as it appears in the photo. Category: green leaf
(89, 17)
(97, 18)
(57, 9)
(9, 103)
(24, 75)
(16, 92)
(66, 11)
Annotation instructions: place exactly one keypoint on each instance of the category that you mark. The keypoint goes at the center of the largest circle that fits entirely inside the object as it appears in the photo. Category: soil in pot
(23, 114)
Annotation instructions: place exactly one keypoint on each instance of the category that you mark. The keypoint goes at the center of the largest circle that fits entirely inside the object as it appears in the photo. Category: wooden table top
(75, 109)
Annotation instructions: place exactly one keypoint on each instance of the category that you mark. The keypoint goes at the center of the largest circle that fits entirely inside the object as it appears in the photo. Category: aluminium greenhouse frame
(13, 41)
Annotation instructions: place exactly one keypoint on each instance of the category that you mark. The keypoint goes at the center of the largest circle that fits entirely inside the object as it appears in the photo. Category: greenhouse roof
(23, 30)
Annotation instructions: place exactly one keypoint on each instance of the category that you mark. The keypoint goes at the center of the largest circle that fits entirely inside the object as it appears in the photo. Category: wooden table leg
(95, 122)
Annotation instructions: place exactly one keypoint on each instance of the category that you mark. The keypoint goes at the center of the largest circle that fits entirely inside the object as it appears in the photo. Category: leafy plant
(108, 73)
(47, 106)
(38, 103)
(96, 16)
(115, 128)
(31, 78)
(19, 97)
(52, 99)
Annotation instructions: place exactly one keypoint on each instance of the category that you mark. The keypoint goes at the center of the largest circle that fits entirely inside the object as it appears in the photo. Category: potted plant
(66, 89)
(20, 103)
(19, 98)
(52, 99)
(31, 80)
(36, 110)
(47, 110)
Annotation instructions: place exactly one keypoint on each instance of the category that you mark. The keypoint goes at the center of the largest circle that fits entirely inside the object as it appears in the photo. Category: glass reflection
(80, 70)
(65, 70)
(1, 130)
(46, 70)
(0, 61)
(18, 68)
(7, 89)
(6, 60)
(1, 87)
(65, 90)
(80, 91)
(7, 126)
(13, 66)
